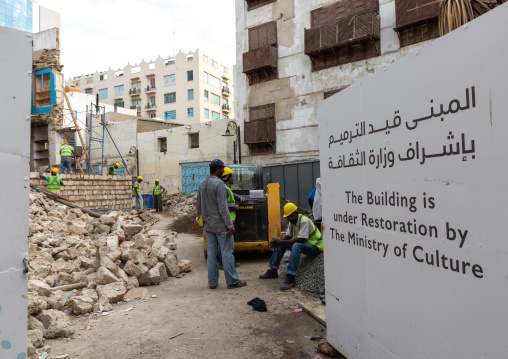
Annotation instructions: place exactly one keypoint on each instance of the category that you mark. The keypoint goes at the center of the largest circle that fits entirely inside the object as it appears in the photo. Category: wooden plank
(316, 309)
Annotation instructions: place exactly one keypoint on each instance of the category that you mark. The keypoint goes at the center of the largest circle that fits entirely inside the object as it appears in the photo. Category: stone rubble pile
(79, 264)
(180, 203)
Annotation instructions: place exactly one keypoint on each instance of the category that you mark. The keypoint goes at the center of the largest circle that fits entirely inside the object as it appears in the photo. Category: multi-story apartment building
(186, 88)
(292, 54)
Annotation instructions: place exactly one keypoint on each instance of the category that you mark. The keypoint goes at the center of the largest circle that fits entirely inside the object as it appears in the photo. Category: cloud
(99, 34)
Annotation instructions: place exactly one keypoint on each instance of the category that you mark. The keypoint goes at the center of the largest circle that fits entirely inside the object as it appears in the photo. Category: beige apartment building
(187, 88)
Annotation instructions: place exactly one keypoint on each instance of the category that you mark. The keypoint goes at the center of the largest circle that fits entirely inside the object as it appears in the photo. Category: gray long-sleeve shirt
(212, 205)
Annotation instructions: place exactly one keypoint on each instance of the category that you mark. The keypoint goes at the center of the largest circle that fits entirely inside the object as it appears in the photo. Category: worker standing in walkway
(66, 152)
(228, 179)
(136, 191)
(211, 205)
(112, 169)
(302, 236)
(54, 181)
(158, 190)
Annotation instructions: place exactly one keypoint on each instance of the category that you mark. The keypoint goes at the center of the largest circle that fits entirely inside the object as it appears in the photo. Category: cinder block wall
(92, 191)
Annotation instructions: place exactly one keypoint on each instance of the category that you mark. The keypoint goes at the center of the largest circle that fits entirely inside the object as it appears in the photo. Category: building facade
(187, 88)
(16, 14)
(292, 54)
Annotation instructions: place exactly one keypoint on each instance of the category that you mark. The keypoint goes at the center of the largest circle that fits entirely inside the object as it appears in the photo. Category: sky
(103, 34)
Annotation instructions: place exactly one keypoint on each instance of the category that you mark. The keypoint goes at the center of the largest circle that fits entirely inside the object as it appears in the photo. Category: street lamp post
(233, 127)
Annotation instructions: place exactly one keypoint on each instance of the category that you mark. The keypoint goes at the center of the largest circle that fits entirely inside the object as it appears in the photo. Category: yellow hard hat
(200, 221)
(117, 164)
(227, 171)
(55, 170)
(141, 178)
(289, 208)
(63, 143)
(157, 180)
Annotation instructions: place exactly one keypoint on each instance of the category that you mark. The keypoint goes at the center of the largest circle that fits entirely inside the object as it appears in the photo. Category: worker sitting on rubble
(302, 236)
(54, 182)
(66, 152)
(227, 177)
(112, 169)
(158, 190)
(136, 191)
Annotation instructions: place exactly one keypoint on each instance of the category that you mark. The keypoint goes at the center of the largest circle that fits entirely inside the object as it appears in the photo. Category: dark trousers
(157, 202)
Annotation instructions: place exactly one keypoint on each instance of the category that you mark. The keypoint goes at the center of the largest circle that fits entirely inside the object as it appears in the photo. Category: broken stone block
(171, 262)
(150, 277)
(108, 263)
(115, 254)
(104, 276)
(64, 279)
(162, 270)
(90, 293)
(120, 234)
(36, 337)
(171, 245)
(56, 323)
(327, 349)
(185, 266)
(152, 262)
(142, 241)
(39, 287)
(122, 275)
(63, 266)
(132, 283)
(112, 241)
(36, 305)
(86, 263)
(78, 227)
(137, 293)
(160, 253)
(34, 323)
(107, 220)
(132, 269)
(102, 229)
(30, 350)
(80, 305)
(113, 291)
(131, 229)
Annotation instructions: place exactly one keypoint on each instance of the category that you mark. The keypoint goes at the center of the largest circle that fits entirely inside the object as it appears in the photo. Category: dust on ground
(186, 223)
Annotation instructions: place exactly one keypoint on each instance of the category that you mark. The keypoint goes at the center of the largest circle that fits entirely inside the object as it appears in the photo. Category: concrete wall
(181, 65)
(165, 166)
(15, 70)
(91, 191)
(48, 18)
(298, 91)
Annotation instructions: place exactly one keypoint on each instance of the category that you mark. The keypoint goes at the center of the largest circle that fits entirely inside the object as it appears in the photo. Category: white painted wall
(15, 101)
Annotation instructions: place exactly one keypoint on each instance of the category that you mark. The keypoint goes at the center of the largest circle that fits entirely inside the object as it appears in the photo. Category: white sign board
(415, 205)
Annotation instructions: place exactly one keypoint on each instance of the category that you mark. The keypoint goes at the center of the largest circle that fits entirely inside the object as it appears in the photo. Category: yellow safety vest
(157, 189)
(136, 188)
(66, 150)
(315, 236)
(231, 200)
(54, 183)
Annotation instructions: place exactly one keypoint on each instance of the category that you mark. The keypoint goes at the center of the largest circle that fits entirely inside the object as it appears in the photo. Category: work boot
(288, 283)
(270, 274)
(239, 284)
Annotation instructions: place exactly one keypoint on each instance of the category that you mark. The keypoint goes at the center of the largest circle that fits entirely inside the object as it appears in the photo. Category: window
(225, 101)
(169, 80)
(190, 112)
(214, 99)
(190, 75)
(205, 58)
(207, 113)
(194, 140)
(119, 104)
(153, 115)
(152, 83)
(263, 35)
(118, 73)
(136, 85)
(215, 115)
(103, 77)
(417, 21)
(151, 101)
(88, 92)
(214, 81)
(169, 62)
(214, 63)
(225, 117)
(190, 57)
(224, 69)
(206, 95)
(163, 144)
(259, 132)
(119, 90)
(190, 94)
(170, 97)
(170, 115)
(136, 69)
(205, 76)
(151, 66)
(103, 93)
(88, 80)
(135, 104)
(254, 4)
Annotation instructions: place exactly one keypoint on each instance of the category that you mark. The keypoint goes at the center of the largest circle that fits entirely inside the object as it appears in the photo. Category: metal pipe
(239, 146)
(112, 140)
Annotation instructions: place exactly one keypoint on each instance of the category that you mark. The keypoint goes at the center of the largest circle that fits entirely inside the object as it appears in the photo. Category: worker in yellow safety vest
(158, 190)
(54, 182)
(66, 153)
(136, 191)
(228, 179)
(302, 236)
(112, 169)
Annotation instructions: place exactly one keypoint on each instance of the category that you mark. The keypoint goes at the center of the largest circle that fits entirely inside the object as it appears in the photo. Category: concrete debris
(185, 265)
(179, 203)
(79, 264)
(325, 348)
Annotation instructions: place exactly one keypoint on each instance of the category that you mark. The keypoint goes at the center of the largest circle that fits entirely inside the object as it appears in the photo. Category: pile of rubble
(79, 264)
(180, 203)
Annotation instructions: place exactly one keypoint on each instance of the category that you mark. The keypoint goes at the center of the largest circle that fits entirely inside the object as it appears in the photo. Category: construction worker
(112, 169)
(54, 182)
(66, 152)
(158, 190)
(302, 236)
(228, 179)
(136, 191)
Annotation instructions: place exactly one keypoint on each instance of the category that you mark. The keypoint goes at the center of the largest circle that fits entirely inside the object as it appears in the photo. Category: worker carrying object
(66, 152)
(228, 179)
(158, 190)
(112, 169)
(302, 236)
(136, 191)
(54, 182)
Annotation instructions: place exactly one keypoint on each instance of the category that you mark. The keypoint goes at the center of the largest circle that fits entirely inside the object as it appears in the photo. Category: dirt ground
(212, 323)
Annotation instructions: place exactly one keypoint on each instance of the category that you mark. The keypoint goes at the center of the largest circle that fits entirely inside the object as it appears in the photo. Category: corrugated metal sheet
(192, 174)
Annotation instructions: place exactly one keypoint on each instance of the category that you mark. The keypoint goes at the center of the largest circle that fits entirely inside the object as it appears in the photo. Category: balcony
(135, 107)
(261, 64)
(226, 108)
(225, 77)
(151, 107)
(134, 91)
(149, 89)
(348, 39)
(225, 91)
